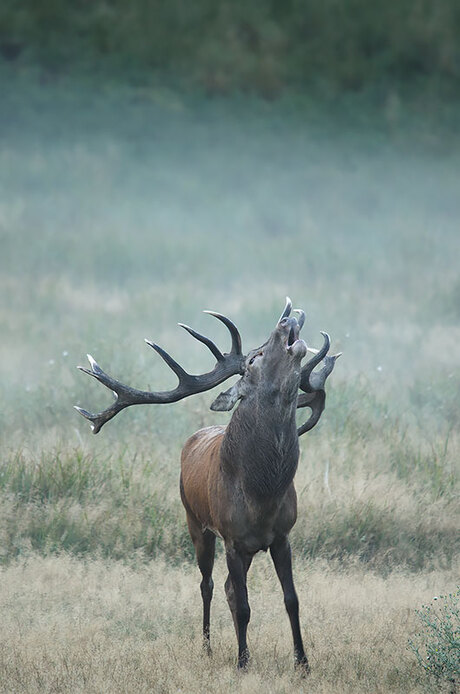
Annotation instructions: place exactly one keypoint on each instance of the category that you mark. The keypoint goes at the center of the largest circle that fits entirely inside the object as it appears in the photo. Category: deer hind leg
(205, 545)
(280, 550)
(237, 598)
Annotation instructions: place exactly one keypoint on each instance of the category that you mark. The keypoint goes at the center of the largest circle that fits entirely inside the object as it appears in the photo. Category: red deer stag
(237, 481)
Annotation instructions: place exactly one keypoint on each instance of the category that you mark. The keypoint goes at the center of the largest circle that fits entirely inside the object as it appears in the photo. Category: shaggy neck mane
(261, 444)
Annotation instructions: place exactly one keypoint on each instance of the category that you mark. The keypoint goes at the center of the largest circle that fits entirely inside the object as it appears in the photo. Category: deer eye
(252, 359)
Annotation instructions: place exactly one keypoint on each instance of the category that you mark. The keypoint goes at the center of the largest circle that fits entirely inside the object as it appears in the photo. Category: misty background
(160, 158)
(157, 159)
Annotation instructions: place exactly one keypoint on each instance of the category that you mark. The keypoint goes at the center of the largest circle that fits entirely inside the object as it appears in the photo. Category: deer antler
(312, 384)
(287, 309)
(227, 365)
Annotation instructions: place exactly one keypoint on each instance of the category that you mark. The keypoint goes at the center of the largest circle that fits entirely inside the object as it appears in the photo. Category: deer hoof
(243, 661)
(302, 666)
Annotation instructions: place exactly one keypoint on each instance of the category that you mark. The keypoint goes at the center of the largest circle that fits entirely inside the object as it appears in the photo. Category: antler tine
(120, 391)
(318, 380)
(312, 383)
(98, 420)
(205, 340)
(314, 361)
(301, 319)
(100, 375)
(236, 337)
(316, 402)
(181, 374)
(287, 309)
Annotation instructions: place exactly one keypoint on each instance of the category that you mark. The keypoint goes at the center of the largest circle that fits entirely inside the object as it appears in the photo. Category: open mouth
(293, 336)
(292, 343)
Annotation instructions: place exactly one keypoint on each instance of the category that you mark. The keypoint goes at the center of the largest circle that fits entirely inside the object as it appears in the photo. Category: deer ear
(226, 400)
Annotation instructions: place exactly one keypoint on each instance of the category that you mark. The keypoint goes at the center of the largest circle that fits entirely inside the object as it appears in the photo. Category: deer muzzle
(297, 349)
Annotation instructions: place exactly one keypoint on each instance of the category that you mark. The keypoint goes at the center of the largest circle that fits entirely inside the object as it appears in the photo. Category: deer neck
(261, 447)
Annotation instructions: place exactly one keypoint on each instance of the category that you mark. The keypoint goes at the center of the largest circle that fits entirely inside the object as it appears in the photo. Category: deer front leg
(237, 597)
(280, 550)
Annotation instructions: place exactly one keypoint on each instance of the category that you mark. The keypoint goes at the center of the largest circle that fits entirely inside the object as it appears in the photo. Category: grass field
(99, 626)
(127, 210)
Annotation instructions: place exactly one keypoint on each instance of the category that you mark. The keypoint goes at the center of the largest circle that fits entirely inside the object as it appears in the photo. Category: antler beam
(189, 384)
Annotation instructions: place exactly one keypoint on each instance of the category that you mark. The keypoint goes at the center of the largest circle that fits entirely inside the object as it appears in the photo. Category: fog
(125, 211)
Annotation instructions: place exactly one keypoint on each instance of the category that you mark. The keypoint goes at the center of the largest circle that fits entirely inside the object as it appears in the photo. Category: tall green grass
(397, 511)
(67, 501)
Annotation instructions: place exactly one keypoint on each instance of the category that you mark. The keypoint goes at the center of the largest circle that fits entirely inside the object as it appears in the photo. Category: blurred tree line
(257, 45)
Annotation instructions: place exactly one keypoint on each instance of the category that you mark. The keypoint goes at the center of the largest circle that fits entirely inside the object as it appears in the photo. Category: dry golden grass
(91, 626)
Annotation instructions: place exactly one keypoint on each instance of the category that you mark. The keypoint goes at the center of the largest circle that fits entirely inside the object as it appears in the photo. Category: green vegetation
(76, 503)
(127, 506)
(260, 47)
(437, 647)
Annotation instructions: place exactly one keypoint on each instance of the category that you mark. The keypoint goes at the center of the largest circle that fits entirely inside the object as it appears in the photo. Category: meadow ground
(126, 210)
(100, 626)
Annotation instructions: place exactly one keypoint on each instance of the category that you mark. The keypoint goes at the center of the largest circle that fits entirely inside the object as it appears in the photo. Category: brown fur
(224, 508)
(200, 462)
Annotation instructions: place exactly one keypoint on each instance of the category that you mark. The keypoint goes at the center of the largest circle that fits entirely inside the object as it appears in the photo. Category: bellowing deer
(237, 481)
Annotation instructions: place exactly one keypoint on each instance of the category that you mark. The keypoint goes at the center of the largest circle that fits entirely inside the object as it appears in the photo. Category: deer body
(220, 499)
(237, 481)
